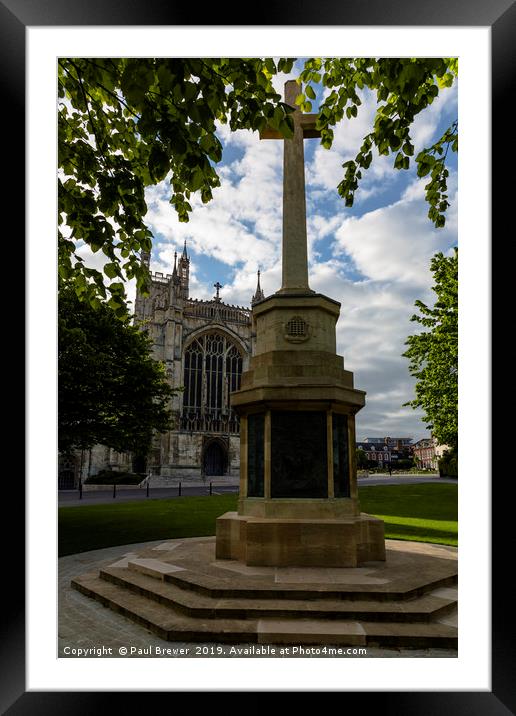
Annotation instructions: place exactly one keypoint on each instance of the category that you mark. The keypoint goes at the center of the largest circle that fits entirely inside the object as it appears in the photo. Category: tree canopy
(433, 354)
(127, 123)
(110, 390)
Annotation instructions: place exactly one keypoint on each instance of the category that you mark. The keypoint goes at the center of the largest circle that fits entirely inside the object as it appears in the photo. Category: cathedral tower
(184, 273)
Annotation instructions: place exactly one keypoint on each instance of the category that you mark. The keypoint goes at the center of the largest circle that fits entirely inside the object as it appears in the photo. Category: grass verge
(425, 513)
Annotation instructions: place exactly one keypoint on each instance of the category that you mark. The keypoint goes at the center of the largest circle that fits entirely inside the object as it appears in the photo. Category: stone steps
(172, 624)
(141, 579)
(162, 620)
(214, 586)
(180, 591)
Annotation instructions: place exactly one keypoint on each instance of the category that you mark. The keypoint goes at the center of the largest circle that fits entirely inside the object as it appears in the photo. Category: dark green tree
(362, 461)
(127, 123)
(110, 390)
(433, 353)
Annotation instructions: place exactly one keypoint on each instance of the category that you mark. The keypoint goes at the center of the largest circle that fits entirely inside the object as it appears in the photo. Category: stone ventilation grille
(296, 328)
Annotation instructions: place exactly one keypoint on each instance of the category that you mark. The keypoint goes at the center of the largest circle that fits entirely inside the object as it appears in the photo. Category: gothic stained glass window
(193, 375)
(212, 370)
(233, 368)
(213, 363)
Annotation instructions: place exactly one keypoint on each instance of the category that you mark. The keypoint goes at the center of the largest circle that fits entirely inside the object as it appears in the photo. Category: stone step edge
(178, 598)
(205, 584)
(159, 622)
(115, 598)
(368, 634)
(437, 635)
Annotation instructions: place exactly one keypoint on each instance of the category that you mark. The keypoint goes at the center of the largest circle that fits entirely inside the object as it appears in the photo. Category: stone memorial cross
(295, 260)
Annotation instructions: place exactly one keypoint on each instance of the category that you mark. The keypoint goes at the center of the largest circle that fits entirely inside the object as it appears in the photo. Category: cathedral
(205, 346)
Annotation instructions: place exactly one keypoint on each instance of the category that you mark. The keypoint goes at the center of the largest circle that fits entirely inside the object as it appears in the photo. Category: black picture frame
(500, 16)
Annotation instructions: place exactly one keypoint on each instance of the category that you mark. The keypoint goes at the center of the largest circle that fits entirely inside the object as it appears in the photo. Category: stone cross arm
(307, 122)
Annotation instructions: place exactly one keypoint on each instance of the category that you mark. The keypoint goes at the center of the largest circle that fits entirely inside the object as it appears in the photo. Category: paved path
(86, 624)
(220, 486)
(71, 499)
(404, 480)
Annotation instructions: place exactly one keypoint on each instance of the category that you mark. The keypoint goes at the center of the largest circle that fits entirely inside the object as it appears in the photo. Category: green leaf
(270, 65)
(111, 270)
(286, 129)
(423, 170)
(158, 163)
(196, 180)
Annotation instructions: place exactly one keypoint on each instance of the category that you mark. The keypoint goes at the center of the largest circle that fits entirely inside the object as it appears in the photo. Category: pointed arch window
(212, 370)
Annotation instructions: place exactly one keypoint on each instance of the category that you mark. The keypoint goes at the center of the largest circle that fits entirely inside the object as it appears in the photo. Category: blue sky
(374, 257)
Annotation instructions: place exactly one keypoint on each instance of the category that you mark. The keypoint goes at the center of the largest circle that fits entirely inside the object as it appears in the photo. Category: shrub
(448, 464)
(402, 464)
(112, 477)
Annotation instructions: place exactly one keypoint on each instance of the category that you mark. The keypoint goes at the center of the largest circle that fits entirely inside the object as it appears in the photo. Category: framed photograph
(34, 678)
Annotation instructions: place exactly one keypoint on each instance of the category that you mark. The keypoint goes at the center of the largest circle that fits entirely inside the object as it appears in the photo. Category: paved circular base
(86, 624)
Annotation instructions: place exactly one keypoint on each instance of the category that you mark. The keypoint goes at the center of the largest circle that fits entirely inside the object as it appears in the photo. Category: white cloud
(242, 225)
(392, 247)
(395, 243)
(326, 171)
(371, 332)
(375, 263)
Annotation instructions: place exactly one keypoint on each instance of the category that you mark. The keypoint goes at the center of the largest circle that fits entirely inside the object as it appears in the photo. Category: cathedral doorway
(139, 464)
(215, 459)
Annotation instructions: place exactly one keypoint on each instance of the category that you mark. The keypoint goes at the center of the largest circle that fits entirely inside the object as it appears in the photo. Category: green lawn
(97, 526)
(425, 513)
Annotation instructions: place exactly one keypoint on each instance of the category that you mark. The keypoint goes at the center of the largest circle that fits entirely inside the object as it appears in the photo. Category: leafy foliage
(404, 87)
(433, 354)
(361, 457)
(114, 477)
(448, 464)
(127, 123)
(111, 391)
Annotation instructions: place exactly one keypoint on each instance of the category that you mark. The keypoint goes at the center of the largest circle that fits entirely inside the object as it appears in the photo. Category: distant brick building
(387, 449)
(377, 452)
(427, 453)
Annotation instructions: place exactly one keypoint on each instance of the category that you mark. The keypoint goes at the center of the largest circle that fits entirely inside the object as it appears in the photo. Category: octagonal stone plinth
(283, 542)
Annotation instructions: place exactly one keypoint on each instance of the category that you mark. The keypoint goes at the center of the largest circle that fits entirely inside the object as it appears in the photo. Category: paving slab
(153, 567)
(310, 631)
